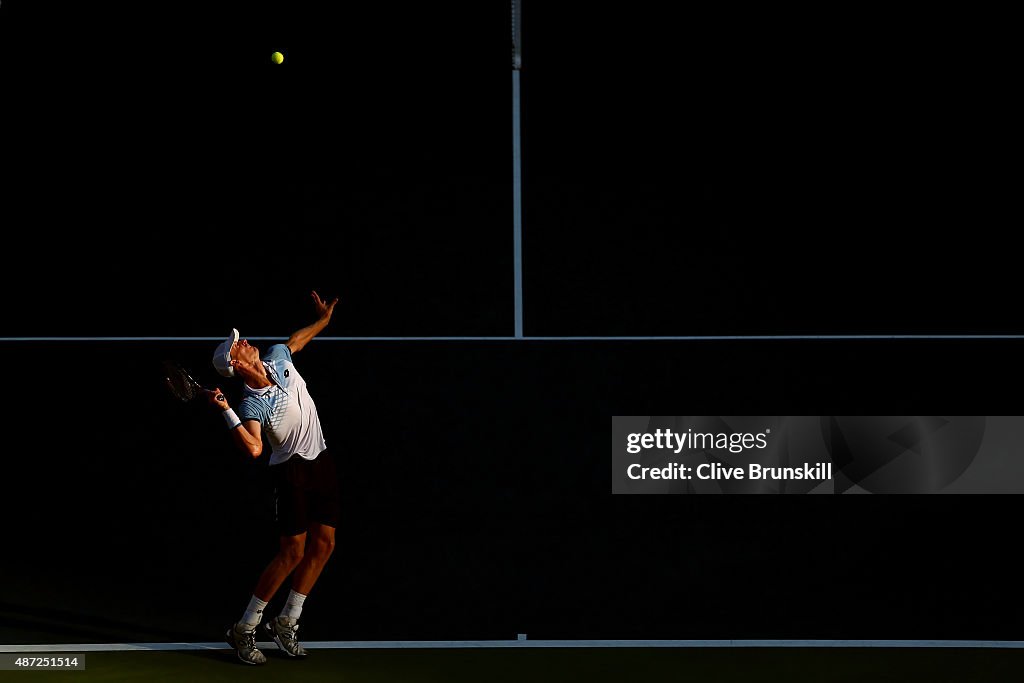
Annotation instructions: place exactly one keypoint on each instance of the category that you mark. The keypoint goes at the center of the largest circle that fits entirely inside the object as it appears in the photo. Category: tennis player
(276, 402)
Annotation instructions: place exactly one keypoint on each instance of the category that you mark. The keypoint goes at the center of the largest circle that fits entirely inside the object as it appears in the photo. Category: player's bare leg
(284, 628)
(242, 635)
(288, 558)
(319, 546)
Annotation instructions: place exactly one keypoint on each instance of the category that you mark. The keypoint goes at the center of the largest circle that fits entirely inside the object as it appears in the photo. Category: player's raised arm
(324, 310)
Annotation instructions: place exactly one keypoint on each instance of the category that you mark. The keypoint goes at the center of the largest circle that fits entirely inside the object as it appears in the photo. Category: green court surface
(621, 665)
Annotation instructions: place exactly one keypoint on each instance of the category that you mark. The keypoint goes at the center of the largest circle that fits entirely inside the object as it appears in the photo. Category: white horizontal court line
(765, 337)
(468, 644)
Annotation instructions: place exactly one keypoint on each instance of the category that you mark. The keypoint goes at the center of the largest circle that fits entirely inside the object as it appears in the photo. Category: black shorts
(306, 492)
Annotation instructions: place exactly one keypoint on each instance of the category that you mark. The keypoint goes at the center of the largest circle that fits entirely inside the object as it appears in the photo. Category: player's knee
(324, 546)
(291, 553)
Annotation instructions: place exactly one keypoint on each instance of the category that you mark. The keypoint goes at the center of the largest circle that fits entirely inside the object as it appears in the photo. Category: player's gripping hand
(217, 398)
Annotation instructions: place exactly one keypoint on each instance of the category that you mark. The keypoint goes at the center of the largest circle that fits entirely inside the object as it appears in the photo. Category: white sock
(293, 606)
(253, 613)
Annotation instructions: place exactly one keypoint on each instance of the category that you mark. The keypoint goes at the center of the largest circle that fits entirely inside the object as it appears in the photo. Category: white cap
(222, 356)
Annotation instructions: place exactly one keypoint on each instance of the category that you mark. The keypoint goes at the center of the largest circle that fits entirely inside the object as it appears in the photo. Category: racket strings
(179, 383)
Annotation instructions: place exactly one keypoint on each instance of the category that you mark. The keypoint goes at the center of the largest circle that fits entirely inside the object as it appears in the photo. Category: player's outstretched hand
(323, 309)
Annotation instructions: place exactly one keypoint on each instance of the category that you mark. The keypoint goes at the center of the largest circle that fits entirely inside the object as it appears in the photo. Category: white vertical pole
(517, 204)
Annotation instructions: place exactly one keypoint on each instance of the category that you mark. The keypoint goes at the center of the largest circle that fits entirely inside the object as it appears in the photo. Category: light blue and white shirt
(285, 410)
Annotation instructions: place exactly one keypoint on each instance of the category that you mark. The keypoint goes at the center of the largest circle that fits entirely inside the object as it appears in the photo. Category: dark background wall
(477, 499)
(765, 171)
(719, 174)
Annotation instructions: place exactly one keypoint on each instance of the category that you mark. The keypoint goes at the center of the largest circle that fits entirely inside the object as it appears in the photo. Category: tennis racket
(181, 384)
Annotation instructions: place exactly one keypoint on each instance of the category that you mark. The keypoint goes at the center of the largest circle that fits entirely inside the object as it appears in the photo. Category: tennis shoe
(285, 635)
(244, 643)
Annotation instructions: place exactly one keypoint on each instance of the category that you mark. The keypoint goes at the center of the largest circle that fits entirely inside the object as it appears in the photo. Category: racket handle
(220, 397)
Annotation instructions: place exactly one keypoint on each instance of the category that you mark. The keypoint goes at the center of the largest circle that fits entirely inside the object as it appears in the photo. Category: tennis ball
(277, 58)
